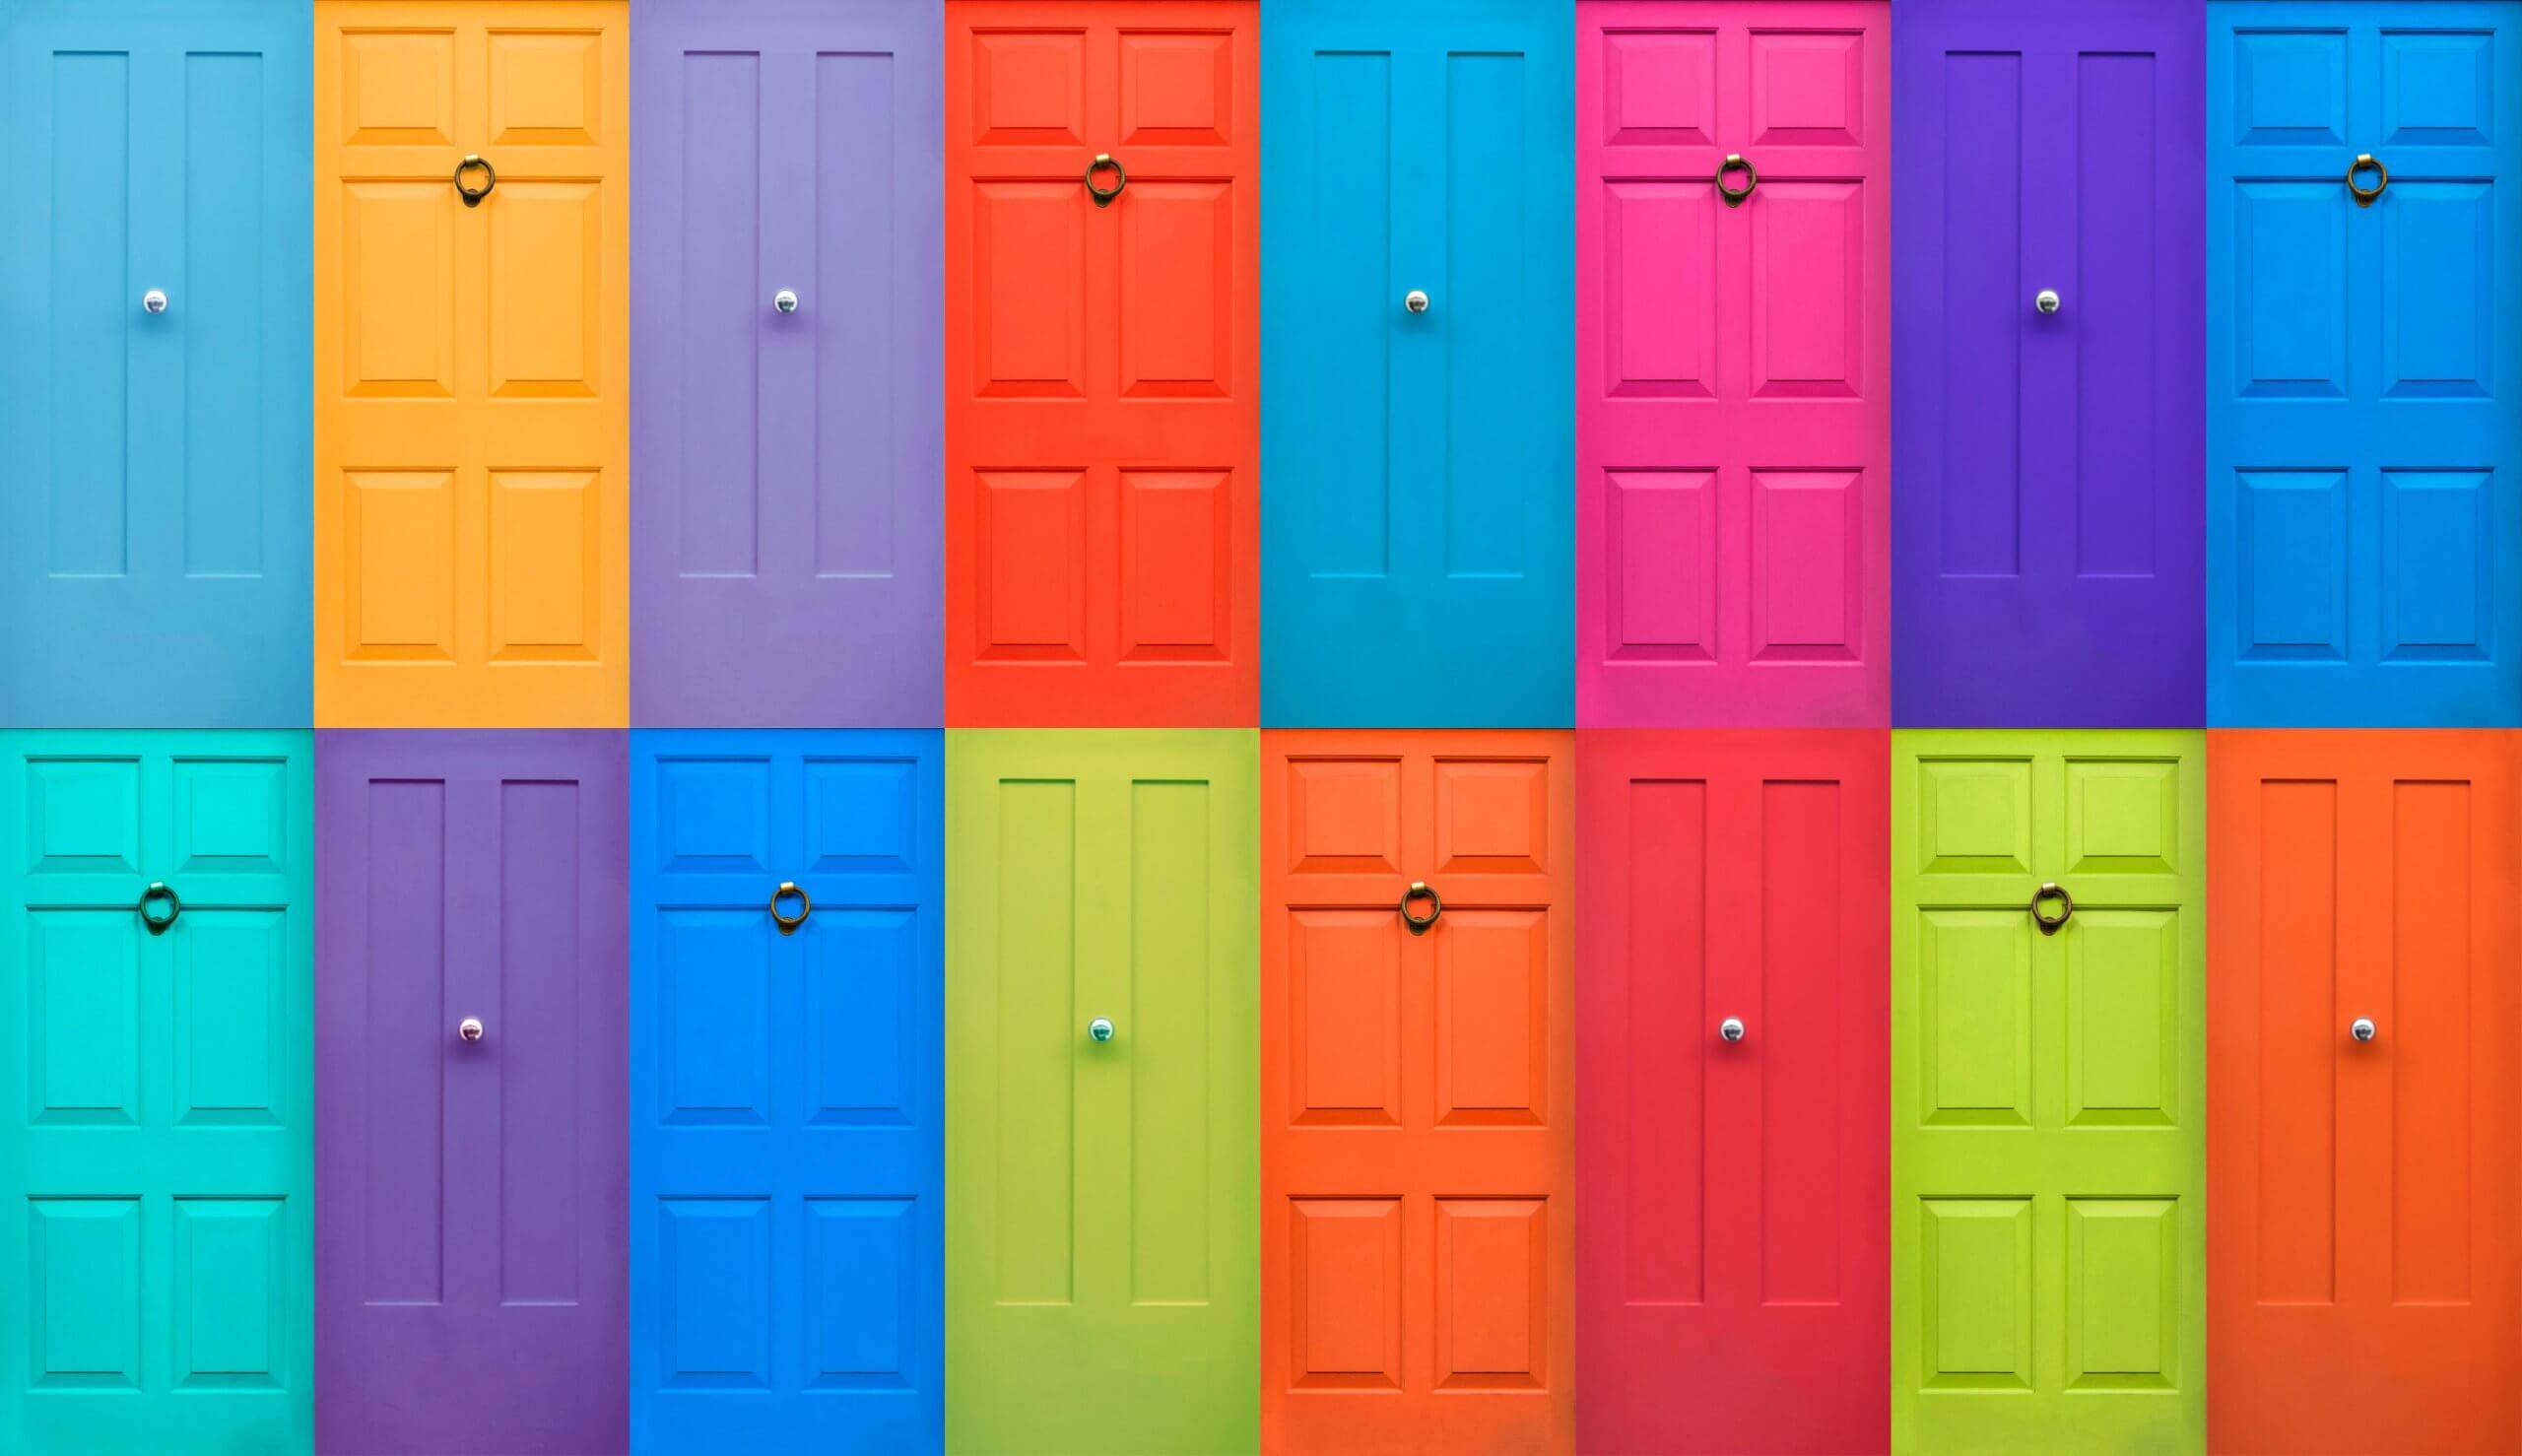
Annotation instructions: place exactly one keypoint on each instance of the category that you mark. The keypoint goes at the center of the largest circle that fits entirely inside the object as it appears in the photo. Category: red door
(1733, 1034)
(1417, 1165)
(1102, 362)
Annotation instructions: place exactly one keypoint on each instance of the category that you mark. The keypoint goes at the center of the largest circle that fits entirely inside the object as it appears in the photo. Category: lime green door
(1102, 1064)
(2048, 1104)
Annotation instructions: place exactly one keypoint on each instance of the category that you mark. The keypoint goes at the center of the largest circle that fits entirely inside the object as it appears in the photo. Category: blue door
(1418, 309)
(154, 363)
(2365, 363)
(786, 1089)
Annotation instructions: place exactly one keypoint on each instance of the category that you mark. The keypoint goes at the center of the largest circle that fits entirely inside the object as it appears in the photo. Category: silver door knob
(785, 301)
(1100, 1028)
(1731, 1029)
(2362, 1029)
(470, 1028)
(154, 301)
(1415, 300)
(2047, 300)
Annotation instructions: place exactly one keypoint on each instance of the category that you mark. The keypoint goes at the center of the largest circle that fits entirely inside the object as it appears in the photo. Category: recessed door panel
(471, 488)
(2362, 1246)
(156, 1174)
(2048, 1100)
(1103, 362)
(1731, 1289)
(1733, 519)
(1101, 1150)
(470, 1257)
(1418, 1171)
(155, 418)
(2362, 442)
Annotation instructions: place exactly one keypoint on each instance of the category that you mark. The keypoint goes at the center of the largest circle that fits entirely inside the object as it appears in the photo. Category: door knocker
(805, 906)
(2066, 908)
(2381, 177)
(1103, 195)
(1419, 891)
(159, 895)
(490, 179)
(1751, 178)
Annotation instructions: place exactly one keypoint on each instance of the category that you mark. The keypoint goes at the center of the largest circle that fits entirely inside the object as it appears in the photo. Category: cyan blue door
(787, 1082)
(1418, 532)
(154, 365)
(2365, 363)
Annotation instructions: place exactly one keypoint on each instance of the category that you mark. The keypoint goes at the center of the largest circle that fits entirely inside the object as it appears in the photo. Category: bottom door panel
(1417, 1083)
(470, 1258)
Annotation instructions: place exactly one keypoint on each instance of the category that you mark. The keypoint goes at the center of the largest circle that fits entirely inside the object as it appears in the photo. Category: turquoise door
(1418, 309)
(155, 1148)
(2365, 353)
(154, 363)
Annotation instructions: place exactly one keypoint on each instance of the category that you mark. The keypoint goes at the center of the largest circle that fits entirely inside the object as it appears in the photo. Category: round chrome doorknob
(1731, 1029)
(1415, 300)
(470, 1028)
(2047, 300)
(785, 301)
(2362, 1029)
(154, 301)
(1100, 1028)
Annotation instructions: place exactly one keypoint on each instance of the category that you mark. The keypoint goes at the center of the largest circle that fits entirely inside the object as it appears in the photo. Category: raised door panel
(471, 492)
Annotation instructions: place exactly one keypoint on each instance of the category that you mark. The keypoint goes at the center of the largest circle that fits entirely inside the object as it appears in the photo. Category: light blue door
(786, 1079)
(153, 358)
(2365, 363)
(1418, 513)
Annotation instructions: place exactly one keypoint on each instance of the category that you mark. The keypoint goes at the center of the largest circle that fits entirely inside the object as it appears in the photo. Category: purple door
(470, 1146)
(786, 260)
(2048, 265)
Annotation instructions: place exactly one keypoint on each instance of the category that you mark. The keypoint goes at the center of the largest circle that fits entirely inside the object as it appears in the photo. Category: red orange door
(1416, 1160)
(1102, 362)
(2362, 1266)
(1731, 1032)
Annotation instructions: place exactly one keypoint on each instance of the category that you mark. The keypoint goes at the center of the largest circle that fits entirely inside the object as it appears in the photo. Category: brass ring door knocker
(490, 179)
(2381, 177)
(2066, 908)
(159, 895)
(1419, 891)
(1751, 178)
(1103, 195)
(805, 906)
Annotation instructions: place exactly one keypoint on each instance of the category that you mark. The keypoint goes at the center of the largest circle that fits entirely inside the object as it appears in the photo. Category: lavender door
(470, 1138)
(786, 256)
(2048, 277)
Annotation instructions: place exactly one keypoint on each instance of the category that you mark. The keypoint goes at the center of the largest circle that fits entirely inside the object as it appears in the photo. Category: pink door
(1733, 362)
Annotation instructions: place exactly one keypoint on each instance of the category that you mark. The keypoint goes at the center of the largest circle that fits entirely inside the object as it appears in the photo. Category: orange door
(471, 505)
(1418, 1158)
(1101, 364)
(2362, 1265)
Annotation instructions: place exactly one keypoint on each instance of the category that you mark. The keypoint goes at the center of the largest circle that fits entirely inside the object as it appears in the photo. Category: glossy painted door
(1418, 1087)
(2045, 537)
(786, 551)
(2363, 432)
(1734, 364)
(2361, 1244)
(1418, 533)
(469, 1260)
(154, 363)
(1733, 1261)
(471, 363)
(1100, 1194)
(2048, 1107)
(1103, 362)
(156, 1166)
(786, 1092)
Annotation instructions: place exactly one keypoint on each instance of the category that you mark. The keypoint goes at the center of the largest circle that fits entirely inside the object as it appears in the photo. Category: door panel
(787, 462)
(786, 1092)
(1731, 1260)
(2046, 533)
(1417, 462)
(471, 492)
(157, 513)
(156, 1199)
(2361, 1284)
(1100, 1194)
(1417, 1169)
(470, 1258)
(2048, 1120)
(1103, 362)
(1720, 582)
(2362, 441)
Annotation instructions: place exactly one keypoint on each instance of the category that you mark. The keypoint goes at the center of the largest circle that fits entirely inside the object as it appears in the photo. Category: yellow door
(470, 361)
